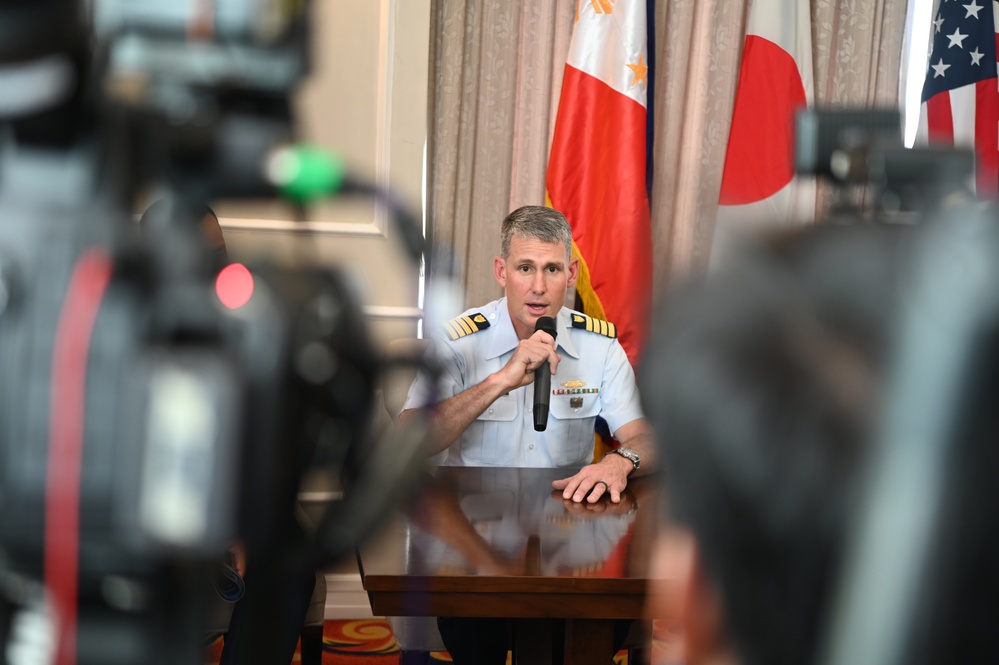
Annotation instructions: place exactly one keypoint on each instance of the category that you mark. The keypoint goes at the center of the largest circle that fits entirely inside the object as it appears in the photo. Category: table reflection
(509, 522)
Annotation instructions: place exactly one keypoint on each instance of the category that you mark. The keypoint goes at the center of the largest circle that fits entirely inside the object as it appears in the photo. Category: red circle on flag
(760, 157)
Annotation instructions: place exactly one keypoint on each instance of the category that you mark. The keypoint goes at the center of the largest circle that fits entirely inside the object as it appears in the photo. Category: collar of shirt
(505, 338)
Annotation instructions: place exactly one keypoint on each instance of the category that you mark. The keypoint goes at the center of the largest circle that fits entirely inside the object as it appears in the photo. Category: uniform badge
(575, 387)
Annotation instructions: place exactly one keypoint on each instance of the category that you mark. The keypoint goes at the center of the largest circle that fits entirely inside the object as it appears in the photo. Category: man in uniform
(488, 355)
(483, 401)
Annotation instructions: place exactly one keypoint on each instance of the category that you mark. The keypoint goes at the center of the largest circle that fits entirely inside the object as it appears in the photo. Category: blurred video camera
(152, 409)
(874, 177)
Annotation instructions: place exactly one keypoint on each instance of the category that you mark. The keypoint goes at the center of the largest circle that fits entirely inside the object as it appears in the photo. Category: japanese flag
(759, 187)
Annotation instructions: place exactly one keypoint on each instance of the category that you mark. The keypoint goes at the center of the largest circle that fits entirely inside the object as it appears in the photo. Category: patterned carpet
(350, 642)
(369, 642)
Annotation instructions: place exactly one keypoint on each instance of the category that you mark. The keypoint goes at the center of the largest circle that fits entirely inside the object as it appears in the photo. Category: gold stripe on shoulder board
(461, 326)
(590, 324)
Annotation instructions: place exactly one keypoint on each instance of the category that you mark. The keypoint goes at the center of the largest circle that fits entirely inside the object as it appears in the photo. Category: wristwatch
(628, 454)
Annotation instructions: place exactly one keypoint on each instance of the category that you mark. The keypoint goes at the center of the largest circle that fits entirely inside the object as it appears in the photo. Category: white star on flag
(956, 39)
(973, 8)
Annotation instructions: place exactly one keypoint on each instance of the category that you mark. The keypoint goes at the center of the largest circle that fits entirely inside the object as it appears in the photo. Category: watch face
(630, 454)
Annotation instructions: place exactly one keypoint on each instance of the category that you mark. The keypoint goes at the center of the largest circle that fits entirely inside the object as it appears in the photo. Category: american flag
(960, 102)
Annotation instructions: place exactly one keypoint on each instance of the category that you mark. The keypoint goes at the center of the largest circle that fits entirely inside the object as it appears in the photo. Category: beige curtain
(699, 43)
(496, 68)
(858, 56)
(493, 94)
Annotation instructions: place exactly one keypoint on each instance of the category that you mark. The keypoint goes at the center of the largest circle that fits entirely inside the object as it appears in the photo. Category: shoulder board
(584, 322)
(466, 325)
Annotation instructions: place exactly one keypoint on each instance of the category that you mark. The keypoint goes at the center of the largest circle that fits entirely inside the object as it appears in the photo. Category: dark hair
(157, 217)
(761, 383)
(159, 210)
(539, 222)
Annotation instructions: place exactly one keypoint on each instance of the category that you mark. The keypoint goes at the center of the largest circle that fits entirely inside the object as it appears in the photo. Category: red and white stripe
(968, 117)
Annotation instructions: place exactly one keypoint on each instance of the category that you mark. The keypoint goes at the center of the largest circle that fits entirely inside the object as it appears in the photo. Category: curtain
(496, 69)
(858, 56)
(493, 94)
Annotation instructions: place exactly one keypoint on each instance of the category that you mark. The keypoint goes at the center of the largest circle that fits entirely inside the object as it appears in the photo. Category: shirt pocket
(498, 430)
(575, 418)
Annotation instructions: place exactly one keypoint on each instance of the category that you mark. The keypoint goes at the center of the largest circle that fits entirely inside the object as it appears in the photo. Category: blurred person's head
(157, 217)
(762, 384)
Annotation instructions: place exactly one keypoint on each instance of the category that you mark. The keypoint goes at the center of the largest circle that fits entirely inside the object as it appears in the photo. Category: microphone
(543, 379)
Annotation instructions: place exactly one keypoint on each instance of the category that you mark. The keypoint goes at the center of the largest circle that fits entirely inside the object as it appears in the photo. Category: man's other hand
(609, 476)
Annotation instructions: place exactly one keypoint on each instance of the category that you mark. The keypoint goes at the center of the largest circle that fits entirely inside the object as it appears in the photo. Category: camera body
(874, 177)
(148, 421)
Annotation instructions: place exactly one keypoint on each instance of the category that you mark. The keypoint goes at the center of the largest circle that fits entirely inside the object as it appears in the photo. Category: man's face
(535, 277)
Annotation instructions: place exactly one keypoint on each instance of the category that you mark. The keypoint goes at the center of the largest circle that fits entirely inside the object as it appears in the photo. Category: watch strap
(629, 455)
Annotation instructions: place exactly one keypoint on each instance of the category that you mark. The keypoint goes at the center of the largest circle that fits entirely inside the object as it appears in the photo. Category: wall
(366, 101)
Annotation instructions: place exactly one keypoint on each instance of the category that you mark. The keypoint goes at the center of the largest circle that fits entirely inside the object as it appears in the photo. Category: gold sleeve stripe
(466, 324)
(452, 330)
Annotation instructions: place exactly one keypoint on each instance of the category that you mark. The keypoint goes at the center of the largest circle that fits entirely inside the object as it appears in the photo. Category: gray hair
(539, 222)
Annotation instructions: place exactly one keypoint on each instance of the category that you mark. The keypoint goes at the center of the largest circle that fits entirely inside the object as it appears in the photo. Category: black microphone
(543, 379)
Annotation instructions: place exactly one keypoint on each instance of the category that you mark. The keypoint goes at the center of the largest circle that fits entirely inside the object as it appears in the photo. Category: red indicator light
(234, 285)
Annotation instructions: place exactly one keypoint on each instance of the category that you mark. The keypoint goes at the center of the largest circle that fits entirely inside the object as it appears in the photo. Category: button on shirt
(594, 378)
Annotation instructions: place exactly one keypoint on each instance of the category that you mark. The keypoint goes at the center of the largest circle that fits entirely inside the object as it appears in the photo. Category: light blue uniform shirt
(594, 378)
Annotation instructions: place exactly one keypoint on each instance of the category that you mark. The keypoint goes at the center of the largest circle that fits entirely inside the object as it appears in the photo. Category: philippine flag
(597, 166)
(775, 81)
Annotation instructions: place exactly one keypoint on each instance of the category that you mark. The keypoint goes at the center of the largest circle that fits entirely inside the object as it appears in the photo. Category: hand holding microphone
(543, 379)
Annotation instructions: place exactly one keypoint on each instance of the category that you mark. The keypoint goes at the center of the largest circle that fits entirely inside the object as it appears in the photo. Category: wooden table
(498, 542)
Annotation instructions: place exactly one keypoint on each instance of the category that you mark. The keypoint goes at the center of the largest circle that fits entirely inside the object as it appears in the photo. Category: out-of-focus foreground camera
(874, 177)
(152, 408)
